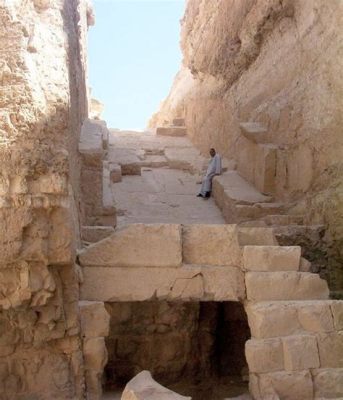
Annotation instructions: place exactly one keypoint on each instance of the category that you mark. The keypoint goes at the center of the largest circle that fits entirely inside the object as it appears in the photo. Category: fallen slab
(144, 387)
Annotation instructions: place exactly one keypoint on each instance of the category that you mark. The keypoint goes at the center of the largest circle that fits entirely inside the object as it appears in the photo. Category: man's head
(212, 152)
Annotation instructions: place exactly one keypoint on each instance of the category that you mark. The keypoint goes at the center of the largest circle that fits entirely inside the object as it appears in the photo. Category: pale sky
(134, 54)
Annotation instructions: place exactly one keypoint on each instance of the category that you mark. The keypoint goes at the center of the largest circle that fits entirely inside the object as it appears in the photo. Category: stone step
(288, 285)
(175, 131)
(271, 258)
(230, 190)
(256, 236)
(284, 318)
(283, 219)
(259, 210)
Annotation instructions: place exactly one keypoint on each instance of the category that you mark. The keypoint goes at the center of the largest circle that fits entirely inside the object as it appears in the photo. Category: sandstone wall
(277, 63)
(43, 101)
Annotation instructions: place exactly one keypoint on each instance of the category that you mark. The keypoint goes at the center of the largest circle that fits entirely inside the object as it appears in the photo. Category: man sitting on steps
(214, 168)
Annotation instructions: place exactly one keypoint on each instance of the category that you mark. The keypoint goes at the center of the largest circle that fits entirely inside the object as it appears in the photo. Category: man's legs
(206, 186)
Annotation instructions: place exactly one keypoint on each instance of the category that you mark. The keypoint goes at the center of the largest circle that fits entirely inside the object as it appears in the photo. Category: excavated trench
(193, 348)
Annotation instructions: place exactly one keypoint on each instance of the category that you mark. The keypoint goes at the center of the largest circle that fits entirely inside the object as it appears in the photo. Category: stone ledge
(188, 283)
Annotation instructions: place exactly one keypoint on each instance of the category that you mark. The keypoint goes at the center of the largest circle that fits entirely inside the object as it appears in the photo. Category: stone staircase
(296, 346)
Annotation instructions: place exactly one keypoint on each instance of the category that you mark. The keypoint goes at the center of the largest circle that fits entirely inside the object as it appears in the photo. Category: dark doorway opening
(193, 348)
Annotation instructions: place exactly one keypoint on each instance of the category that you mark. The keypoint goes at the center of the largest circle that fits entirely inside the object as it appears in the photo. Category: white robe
(214, 168)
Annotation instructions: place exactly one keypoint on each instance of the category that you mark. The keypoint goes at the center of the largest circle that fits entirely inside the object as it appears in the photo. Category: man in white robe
(214, 168)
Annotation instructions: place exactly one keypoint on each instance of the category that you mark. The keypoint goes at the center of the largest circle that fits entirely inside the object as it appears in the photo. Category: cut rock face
(143, 387)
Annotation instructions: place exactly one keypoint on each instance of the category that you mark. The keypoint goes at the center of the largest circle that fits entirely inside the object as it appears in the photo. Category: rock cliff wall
(43, 101)
(276, 62)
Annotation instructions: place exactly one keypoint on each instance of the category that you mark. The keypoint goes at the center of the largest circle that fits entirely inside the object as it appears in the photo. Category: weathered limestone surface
(289, 285)
(271, 258)
(236, 93)
(185, 283)
(211, 245)
(143, 387)
(43, 102)
(137, 245)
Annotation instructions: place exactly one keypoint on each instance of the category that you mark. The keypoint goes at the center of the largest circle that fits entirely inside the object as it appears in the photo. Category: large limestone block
(142, 284)
(174, 131)
(286, 386)
(137, 245)
(272, 319)
(328, 383)
(288, 285)
(284, 318)
(271, 258)
(330, 347)
(143, 387)
(315, 316)
(251, 236)
(300, 352)
(211, 245)
(264, 355)
(95, 320)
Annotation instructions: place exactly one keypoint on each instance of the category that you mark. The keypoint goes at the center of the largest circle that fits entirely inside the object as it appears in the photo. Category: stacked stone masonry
(295, 350)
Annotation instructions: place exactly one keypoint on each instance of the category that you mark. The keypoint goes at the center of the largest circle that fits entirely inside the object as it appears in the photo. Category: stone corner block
(271, 258)
(137, 245)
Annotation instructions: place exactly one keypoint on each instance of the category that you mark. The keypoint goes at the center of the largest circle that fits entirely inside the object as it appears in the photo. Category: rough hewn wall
(43, 101)
(175, 341)
(277, 62)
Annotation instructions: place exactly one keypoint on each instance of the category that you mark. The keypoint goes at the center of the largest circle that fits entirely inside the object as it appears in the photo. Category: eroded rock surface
(244, 89)
(43, 102)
